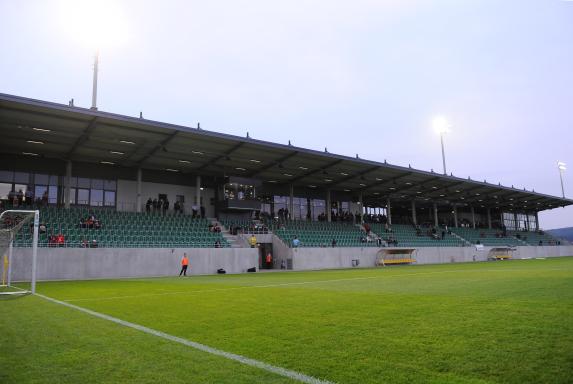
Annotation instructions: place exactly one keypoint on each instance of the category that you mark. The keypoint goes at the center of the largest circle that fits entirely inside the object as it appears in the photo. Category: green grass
(499, 322)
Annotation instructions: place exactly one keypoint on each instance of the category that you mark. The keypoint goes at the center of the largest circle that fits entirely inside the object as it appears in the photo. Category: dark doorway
(266, 250)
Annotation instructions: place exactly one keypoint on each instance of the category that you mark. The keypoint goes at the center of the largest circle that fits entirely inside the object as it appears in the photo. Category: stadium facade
(70, 157)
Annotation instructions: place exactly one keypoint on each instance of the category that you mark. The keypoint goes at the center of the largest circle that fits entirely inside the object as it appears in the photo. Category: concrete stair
(234, 240)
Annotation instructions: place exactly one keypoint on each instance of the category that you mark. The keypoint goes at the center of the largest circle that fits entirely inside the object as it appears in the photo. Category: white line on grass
(190, 293)
(201, 347)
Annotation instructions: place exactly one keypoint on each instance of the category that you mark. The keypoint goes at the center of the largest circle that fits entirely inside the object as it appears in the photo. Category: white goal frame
(12, 232)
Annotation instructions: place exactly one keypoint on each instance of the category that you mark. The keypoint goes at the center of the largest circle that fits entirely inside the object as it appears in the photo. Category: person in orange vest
(269, 260)
(184, 265)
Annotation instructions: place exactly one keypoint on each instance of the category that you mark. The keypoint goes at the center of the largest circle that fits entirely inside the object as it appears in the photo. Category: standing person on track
(184, 265)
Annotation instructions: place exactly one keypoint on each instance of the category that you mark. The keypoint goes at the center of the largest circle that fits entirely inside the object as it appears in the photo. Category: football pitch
(495, 322)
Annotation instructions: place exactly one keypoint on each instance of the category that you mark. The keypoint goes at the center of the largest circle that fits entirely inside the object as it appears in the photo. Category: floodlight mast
(562, 167)
(94, 88)
(442, 126)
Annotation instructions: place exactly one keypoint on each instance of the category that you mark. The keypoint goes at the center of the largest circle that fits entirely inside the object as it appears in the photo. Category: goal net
(18, 271)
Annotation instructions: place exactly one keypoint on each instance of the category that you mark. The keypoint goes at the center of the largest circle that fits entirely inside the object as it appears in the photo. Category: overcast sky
(362, 77)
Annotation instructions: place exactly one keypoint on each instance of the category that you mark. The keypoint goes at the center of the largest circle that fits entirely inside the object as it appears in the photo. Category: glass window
(53, 180)
(84, 182)
(21, 177)
(7, 176)
(109, 185)
(96, 197)
(39, 191)
(109, 198)
(41, 179)
(53, 194)
(72, 195)
(97, 184)
(5, 189)
(83, 196)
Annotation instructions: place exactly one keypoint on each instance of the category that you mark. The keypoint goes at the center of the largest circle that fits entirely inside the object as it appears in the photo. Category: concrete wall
(79, 264)
(327, 258)
(127, 192)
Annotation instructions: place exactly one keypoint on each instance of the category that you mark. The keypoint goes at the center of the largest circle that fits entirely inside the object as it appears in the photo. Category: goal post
(13, 221)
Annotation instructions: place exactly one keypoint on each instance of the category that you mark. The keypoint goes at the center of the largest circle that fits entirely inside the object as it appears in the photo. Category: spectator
(333, 243)
(148, 205)
(160, 205)
(20, 197)
(42, 228)
(29, 196)
(94, 244)
(202, 209)
(194, 210)
(84, 243)
(60, 240)
(217, 244)
(269, 260)
(283, 264)
(12, 198)
(443, 235)
(165, 205)
(253, 241)
(45, 198)
(155, 204)
(176, 207)
(295, 242)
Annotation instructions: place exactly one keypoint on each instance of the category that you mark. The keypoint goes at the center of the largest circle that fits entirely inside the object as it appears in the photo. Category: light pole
(442, 126)
(562, 167)
(94, 87)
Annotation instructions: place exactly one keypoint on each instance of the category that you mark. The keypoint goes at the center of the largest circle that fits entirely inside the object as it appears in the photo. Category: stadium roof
(39, 128)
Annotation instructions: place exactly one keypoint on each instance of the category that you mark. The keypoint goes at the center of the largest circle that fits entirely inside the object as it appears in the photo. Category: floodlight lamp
(561, 165)
(441, 125)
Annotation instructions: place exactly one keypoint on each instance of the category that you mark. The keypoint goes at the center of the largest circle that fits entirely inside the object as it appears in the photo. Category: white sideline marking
(279, 285)
(201, 347)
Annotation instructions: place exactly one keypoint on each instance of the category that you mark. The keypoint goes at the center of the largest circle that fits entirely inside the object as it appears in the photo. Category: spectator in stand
(155, 204)
(333, 243)
(217, 244)
(295, 242)
(176, 207)
(94, 244)
(45, 198)
(61, 240)
(443, 235)
(12, 197)
(42, 228)
(20, 197)
(253, 241)
(160, 205)
(194, 210)
(165, 205)
(202, 209)
(84, 243)
(29, 196)
(367, 228)
(148, 205)
(52, 241)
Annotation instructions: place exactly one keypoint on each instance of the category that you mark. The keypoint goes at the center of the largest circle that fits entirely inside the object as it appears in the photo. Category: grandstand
(72, 162)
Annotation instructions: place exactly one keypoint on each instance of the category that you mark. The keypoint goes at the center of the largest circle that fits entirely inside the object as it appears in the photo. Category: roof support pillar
(473, 217)
(138, 196)
(516, 227)
(527, 224)
(414, 218)
(435, 214)
(455, 215)
(536, 221)
(198, 192)
(362, 210)
(328, 206)
(291, 201)
(389, 211)
(67, 185)
(488, 217)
